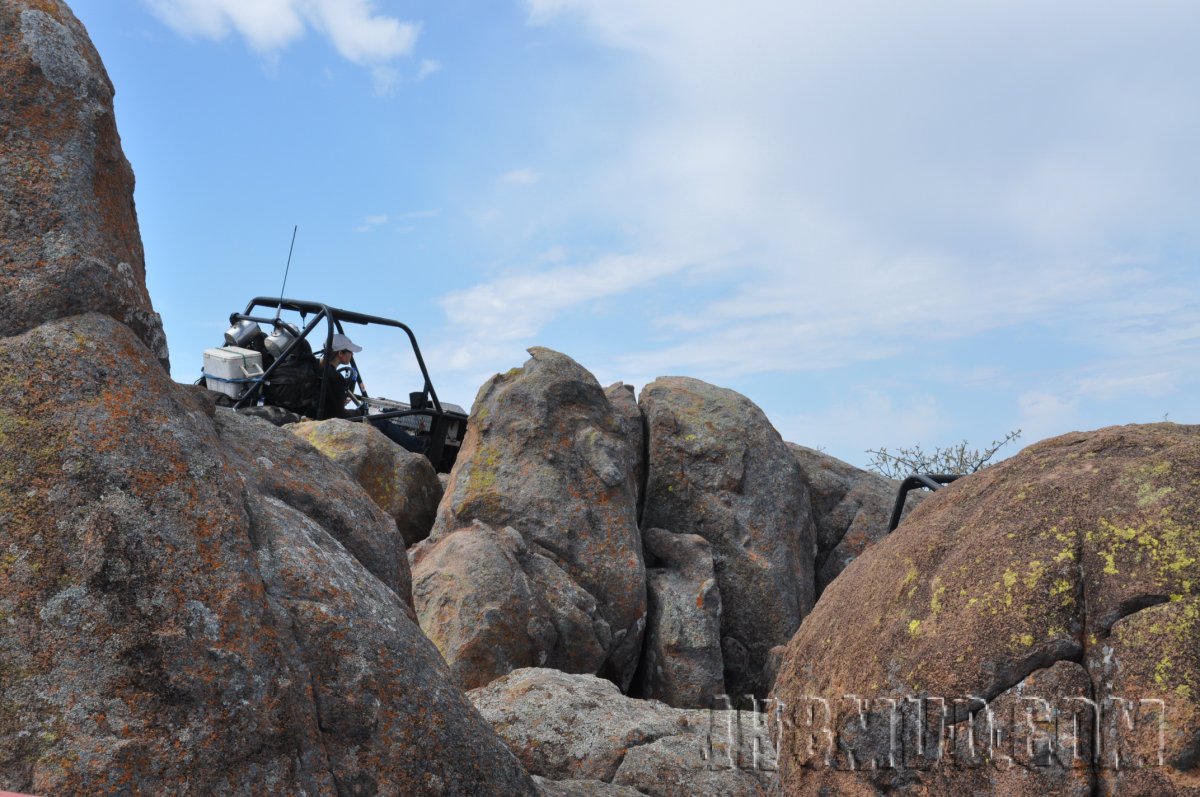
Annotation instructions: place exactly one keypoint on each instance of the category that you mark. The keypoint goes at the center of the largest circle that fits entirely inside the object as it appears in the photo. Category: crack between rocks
(645, 475)
(1031, 664)
(1081, 598)
(1093, 769)
(1127, 608)
(1130, 607)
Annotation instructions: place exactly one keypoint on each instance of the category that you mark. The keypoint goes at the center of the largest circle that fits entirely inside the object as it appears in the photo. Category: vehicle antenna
(279, 309)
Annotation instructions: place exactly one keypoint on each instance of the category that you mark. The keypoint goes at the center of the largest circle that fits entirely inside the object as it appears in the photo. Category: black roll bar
(336, 318)
(251, 395)
(929, 481)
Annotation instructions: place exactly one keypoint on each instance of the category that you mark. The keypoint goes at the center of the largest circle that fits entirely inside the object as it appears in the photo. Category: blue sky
(886, 223)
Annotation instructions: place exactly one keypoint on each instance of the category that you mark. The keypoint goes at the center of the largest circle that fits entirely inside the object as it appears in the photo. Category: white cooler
(228, 369)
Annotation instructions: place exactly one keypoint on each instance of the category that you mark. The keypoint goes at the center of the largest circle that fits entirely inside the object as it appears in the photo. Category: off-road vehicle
(278, 375)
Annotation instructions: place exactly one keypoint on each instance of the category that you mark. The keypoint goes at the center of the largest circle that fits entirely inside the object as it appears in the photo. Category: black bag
(295, 382)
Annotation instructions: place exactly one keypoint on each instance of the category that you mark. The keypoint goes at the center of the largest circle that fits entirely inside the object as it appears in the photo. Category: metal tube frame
(929, 481)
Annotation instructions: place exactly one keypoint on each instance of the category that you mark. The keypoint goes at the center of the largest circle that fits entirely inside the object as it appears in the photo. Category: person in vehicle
(338, 388)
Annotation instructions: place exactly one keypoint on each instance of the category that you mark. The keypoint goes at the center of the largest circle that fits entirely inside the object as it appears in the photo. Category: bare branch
(959, 458)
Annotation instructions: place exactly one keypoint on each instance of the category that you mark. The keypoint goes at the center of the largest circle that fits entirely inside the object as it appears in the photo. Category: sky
(886, 223)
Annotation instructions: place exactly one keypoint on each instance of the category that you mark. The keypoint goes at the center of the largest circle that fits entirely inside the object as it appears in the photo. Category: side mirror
(416, 401)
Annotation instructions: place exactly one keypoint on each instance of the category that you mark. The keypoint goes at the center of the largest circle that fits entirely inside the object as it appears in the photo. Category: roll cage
(445, 425)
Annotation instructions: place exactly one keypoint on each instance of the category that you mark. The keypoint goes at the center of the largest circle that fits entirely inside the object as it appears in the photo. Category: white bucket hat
(342, 343)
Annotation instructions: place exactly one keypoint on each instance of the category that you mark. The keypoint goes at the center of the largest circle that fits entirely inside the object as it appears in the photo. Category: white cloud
(385, 80)
(1043, 414)
(371, 222)
(358, 33)
(1071, 401)
(520, 177)
(267, 25)
(492, 315)
(352, 26)
(870, 419)
(428, 67)
(987, 194)
(866, 178)
(1109, 386)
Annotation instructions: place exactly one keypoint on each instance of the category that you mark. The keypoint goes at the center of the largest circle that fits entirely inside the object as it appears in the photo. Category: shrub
(956, 459)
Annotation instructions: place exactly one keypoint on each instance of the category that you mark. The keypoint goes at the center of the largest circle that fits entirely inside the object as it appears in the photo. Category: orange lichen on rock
(69, 240)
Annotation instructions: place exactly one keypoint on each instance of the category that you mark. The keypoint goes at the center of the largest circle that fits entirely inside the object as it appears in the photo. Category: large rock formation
(191, 603)
(1069, 571)
(578, 728)
(69, 239)
(717, 468)
(180, 616)
(402, 483)
(545, 455)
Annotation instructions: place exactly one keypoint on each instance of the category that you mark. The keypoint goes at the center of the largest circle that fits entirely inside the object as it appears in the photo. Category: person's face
(344, 357)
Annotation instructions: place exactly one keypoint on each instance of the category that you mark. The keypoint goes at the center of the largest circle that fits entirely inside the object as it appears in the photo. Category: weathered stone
(286, 468)
(668, 767)
(486, 600)
(582, 788)
(578, 727)
(566, 726)
(1080, 550)
(681, 657)
(276, 416)
(718, 468)
(774, 662)
(402, 483)
(187, 606)
(632, 428)
(69, 239)
(1041, 734)
(851, 509)
(545, 454)
(178, 615)
(1149, 666)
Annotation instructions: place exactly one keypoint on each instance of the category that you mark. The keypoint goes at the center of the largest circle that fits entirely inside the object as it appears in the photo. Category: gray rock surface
(69, 239)
(582, 788)
(565, 726)
(402, 483)
(180, 616)
(493, 603)
(632, 427)
(681, 658)
(546, 455)
(572, 728)
(851, 508)
(667, 767)
(190, 603)
(718, 468)
(287, 469)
